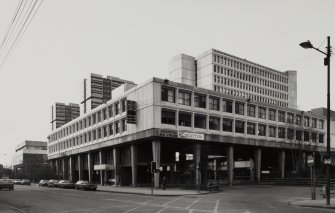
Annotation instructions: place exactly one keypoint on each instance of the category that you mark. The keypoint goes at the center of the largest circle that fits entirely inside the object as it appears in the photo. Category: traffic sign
(310, 161)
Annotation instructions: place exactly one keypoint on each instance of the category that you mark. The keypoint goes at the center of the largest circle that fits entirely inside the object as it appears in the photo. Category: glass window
(306, 135)
(184, 98)
(110, 127)
(117, 108)
(298, 120)
(117, 127)
(251, 128)
(239, 108)
(168, 117)
(89, 121)
(94, 135)
(200, 100)
(94, 117)
(314, 137)
(281, 116)
(110, 111)
(124, 125)
(239, 126)
(272, 131)
(313, 123)
(320, 124)
(185, 119)
(105, 131)
(227, 125)
(272, 114)
(261, 130)
(306, 121)
(227, 106)
(290, 118)
(99, 133)
(290, 134)
(214, 123)
(321, 138)
(200, 121)
(281, 132)
(99, 116)
(168, 94)
(298, 135)
(214, 103)
(104, 114)
(261, 112)
(124, 105)
(251, 110)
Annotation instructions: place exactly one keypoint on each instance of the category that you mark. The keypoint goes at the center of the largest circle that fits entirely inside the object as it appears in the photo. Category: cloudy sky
(68, 39)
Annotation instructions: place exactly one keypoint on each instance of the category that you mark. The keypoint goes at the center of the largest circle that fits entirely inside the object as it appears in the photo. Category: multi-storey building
(62, 114)
(98, 90)
(30, 160)
(228, 74)
(188, 131)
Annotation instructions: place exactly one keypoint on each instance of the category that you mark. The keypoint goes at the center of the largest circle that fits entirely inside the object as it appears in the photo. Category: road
(238, 199)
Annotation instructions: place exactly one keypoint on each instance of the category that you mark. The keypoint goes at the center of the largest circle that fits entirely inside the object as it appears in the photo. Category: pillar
(156, 153)
(101, 171)
(80, 168)
(70, 169)
(258, 164)
(89, 167)
(133, 150)
(230, 165)
(57, 168)
(116, 156)
(197, 156)
(282, 163)
(63, 169)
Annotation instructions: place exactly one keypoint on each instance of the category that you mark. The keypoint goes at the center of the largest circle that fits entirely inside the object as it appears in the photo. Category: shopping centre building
(195, 131)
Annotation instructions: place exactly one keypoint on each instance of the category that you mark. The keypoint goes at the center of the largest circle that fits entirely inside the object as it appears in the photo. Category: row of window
(248, 68)
(107, 130)
(200, 121)
(251, 96)
(108, 112)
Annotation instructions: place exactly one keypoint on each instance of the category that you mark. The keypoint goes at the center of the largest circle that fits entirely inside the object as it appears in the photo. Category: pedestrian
(164, 183)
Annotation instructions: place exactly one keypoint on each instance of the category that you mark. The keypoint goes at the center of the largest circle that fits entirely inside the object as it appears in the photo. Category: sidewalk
(315, 203)
(147, 191)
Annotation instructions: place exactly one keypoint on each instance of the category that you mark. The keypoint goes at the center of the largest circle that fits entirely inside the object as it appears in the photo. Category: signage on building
(185, 135)
(131, 112)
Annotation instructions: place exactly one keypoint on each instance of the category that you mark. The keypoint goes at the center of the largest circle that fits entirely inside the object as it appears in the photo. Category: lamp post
(308, 45)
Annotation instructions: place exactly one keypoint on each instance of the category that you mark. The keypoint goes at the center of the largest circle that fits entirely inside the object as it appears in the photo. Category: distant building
(98, 90)
(62, 114)
(231, 75)
(30, 160)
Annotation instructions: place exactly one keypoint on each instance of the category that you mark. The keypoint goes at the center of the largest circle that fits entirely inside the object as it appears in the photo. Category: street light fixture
(308, 45)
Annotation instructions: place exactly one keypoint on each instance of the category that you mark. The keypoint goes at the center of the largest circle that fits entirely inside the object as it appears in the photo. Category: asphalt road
(238, 199)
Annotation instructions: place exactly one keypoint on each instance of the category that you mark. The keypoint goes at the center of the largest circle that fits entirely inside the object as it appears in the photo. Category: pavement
(315, 203)
(147, 191)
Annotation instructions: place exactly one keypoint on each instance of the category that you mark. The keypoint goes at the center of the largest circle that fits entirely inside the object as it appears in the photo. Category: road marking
(16, 208)
(216, 205)
(194, 202)
(161, 210)
(165, 204)
(133, 209)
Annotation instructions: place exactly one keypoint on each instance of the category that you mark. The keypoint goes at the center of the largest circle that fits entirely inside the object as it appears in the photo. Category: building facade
(228, 74)
(98, 90)
(30, 160)
(62, 114)
(194, 135)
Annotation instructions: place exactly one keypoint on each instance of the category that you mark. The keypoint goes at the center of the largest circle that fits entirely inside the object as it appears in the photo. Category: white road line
(194, 202)
(12, 207)
(216, 205)
(165, 204)
(133, 209)
(161, 210)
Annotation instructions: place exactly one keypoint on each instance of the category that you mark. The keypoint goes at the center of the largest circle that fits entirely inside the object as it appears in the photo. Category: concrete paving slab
(314, 203)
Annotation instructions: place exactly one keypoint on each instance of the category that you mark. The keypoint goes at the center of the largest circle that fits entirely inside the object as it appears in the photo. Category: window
(105, 131)
(99, 116)
(94, 135)
(314, 137)
(104, 114)
(89, 121)
(99, 133)
(89, 136)
(214, 103)
(272, 114)
(200, 121)
(281, 116)
(251, 128)
(290, 118)
(313, 123)
(168, 117)
(168, 94)
(321, 138)
(320, 124)
(306, 135)
(298, 135)
(184, 98)
(214, 123)
(124, 105)
(261, 113)
(124, 125)
(281, 132)
(298, 120)
(185, 119)
(239, 126)
(200, 100)
(227, 125)
(94, 119)
(261, 130)
(306, 121)
(117, 108)
(272, 131)
(110, 127)
(227, 106)
(290, 134)
(251, 110)
(110, 111)
(239, 108)
(117, 127)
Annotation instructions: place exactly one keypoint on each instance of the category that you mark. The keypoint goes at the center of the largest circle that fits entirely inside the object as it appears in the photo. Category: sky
(135, 40)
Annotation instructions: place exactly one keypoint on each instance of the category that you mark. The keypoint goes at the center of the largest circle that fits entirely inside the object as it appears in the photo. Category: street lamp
(308, 45)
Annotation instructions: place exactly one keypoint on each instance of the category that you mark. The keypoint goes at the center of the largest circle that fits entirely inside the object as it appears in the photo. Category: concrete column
(156, 153)
(70, 169)
(57, 168)
(230, 165)
(282, 163)
(101, 171)
(116, 156)
(197, 156)
(89, 167)
(63, 169)
(133, 150)
(80, 168)
(258, 164)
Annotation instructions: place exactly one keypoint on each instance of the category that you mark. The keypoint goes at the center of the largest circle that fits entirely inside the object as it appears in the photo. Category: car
(17, 181)
(6, 184)
(65, 184)
(52, 183)
(43, 183)
(25, 182)
(85, 185)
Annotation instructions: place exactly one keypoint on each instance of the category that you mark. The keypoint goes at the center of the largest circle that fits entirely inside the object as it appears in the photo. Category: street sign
(327, 161)
(310, 161)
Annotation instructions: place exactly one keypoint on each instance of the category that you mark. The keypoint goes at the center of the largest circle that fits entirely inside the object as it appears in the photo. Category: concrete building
(30, 160)
(194, 134)
(62, 114)
(228, 74)
(98, 90)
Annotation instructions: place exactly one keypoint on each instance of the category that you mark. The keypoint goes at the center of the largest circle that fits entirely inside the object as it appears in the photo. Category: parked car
(6, 184)
(25, 182)
(43, 183)
(85, 185)
(17, 181)
(52, 183)
(65, 184)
